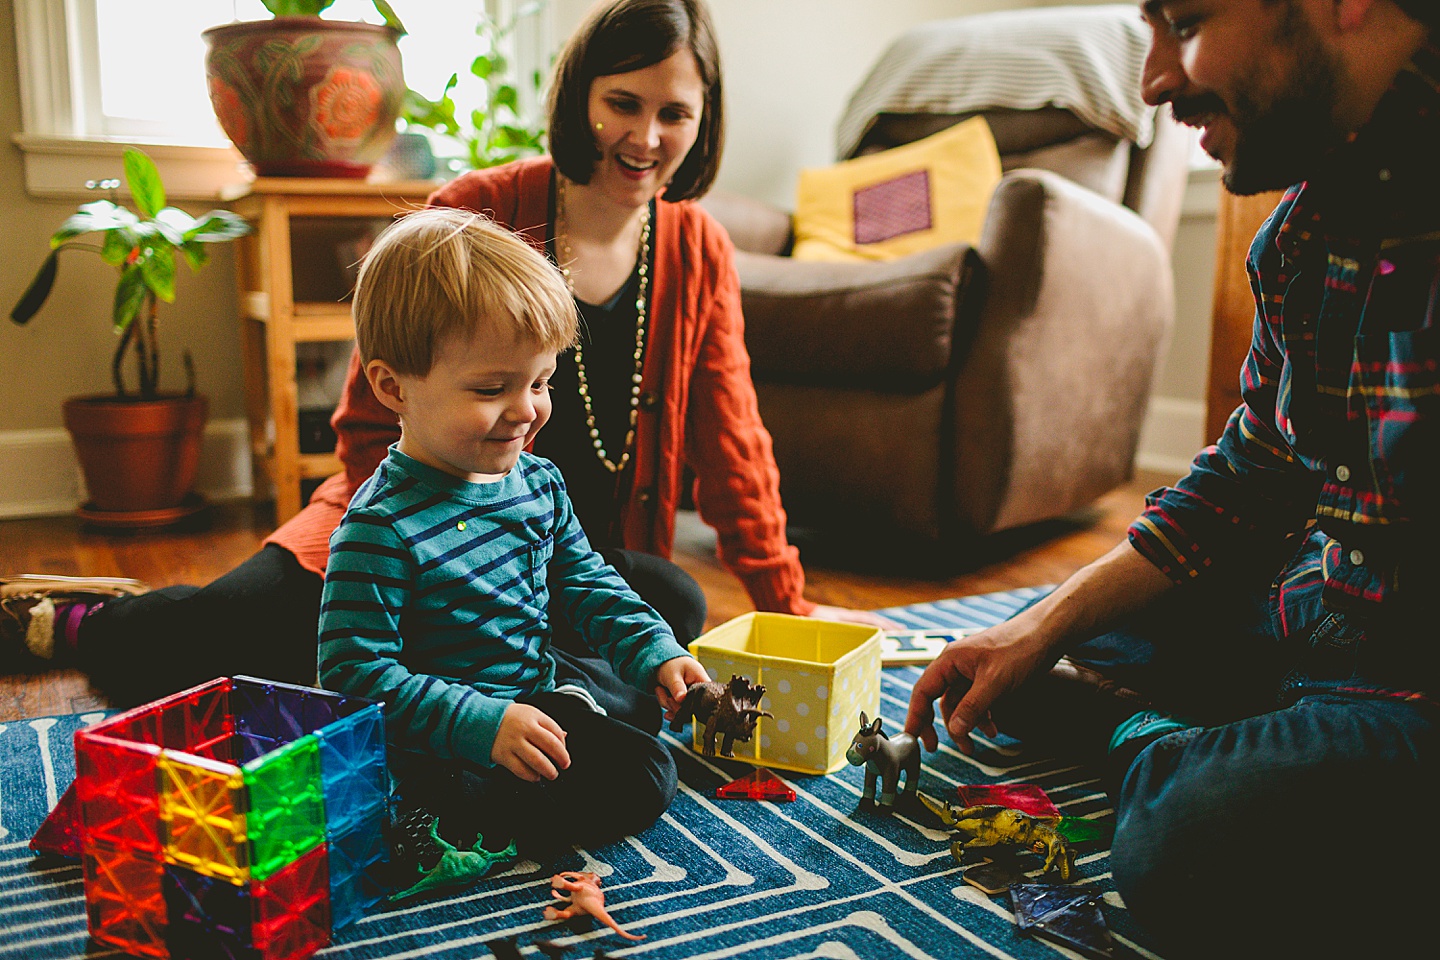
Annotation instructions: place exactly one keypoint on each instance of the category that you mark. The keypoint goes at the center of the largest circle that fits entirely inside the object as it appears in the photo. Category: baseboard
(40, 477)
(1173, 432)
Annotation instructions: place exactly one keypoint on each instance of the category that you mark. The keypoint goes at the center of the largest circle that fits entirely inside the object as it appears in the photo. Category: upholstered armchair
(971, 388)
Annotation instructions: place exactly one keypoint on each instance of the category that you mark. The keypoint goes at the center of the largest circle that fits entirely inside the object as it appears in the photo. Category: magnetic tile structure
(238, 820)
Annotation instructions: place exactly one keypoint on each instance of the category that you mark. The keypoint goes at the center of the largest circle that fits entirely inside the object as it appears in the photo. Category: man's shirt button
(1342, 473)
(1357, 558)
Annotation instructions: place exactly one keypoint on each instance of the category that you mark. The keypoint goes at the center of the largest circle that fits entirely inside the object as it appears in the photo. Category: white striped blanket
(1086, 59)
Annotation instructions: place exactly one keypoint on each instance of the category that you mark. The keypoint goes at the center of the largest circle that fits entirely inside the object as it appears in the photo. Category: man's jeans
(1296, 820)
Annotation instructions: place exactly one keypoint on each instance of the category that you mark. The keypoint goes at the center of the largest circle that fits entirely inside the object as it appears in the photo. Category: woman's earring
(599, 125)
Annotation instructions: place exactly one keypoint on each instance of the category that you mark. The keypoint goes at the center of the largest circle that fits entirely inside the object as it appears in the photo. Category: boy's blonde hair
(436, 273)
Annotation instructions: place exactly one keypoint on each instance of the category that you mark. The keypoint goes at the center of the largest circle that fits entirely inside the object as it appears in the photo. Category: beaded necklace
(566, 258)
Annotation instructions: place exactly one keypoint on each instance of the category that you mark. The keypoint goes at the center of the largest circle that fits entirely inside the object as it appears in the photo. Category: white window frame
(60, 108)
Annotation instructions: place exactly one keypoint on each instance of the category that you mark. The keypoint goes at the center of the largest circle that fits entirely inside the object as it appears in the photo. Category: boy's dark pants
(1296, 822)
(620, 780)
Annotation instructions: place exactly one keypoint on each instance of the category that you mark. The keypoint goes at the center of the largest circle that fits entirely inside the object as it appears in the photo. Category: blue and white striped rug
(712, 879)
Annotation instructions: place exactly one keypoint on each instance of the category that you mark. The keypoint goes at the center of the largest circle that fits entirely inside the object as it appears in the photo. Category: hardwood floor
(860, 575)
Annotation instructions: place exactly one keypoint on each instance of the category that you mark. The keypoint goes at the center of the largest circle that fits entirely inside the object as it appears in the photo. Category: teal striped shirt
(436, 601)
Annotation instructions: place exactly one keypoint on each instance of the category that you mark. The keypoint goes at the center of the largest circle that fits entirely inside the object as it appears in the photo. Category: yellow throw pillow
(900, 201)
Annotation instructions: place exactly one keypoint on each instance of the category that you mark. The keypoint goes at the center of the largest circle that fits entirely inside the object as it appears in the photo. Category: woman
(660, 381)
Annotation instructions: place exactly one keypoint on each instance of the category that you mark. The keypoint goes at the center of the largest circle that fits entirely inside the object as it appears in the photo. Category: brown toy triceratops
(729, 709)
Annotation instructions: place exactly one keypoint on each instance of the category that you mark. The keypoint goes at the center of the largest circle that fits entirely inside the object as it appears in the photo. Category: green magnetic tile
(285, 814)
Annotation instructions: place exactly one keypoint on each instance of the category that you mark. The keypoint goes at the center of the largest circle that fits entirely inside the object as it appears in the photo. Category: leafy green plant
(498, 130)
(144, 248)
(313, 8)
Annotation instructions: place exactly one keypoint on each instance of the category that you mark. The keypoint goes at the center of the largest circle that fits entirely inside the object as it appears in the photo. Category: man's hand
(530, 744)
(673, 678)
(846, 615)
(970, 674)
(973, 672)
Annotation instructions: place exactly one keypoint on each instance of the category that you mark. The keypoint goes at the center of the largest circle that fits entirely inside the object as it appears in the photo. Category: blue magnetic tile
(352, 769)
(357, 859)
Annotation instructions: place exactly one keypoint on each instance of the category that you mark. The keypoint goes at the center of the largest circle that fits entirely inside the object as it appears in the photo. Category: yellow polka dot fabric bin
(818, 675)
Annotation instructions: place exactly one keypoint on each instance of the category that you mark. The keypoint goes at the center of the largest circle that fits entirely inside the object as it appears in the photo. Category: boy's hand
(673, 678)
(530, 744)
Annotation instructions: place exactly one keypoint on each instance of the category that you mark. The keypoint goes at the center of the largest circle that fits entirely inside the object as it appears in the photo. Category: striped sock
(68, 615)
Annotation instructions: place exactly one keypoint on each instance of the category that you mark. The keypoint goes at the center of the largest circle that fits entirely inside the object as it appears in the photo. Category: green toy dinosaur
(453, 867)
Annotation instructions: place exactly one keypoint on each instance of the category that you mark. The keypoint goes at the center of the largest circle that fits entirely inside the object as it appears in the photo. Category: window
(96, 73)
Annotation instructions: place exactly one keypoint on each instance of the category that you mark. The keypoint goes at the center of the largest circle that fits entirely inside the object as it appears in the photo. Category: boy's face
(486, 396)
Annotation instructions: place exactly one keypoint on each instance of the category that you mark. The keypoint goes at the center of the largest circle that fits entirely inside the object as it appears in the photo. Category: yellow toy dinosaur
(993, 825)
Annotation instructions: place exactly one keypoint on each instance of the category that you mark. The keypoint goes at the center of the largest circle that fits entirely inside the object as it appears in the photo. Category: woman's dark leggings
(261, 620)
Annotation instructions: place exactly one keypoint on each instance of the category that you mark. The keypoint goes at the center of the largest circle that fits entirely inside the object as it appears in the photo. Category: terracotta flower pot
(305, 97)
(136, 455)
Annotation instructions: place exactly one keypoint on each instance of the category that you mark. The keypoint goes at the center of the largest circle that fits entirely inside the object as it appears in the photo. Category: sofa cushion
(1048, 138)
(915, 197)
(1015, 131)
(1097, 161)
(754, 226)
(863, 326)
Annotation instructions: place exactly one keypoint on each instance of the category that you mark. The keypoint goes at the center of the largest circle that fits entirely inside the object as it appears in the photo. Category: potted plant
(138, 450)
(304, 97)
(499, 132)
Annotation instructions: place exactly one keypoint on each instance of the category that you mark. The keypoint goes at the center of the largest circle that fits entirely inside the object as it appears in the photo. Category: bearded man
(1262, 652)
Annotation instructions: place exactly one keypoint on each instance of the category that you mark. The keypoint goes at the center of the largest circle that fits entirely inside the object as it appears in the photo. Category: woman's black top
(607, 336)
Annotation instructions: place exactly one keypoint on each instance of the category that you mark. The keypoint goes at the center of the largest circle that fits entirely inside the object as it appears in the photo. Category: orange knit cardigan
(697, 404)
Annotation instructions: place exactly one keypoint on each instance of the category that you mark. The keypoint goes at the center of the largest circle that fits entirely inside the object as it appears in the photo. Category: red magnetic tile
(163, 722)
(124, 903)
(759, 785)
(1025, 797)
(292, 909)
(59, 835)
(116, 789)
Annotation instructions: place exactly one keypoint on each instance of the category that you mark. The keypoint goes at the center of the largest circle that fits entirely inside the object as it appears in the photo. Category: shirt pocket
(538, 560)
(1404, 291)
(1396, 376)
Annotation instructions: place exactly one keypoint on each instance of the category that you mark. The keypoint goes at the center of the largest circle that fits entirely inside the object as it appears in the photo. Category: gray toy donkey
(884, 759)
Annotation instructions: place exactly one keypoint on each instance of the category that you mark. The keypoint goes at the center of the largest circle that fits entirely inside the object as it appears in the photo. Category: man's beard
(1280, 139)
(1282, 142)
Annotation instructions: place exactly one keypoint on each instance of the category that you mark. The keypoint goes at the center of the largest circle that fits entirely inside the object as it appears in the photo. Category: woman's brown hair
(627, 35)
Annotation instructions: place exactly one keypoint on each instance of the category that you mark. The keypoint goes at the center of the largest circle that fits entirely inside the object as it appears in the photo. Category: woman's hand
(530, 744)
(846, 615)
(673, 679)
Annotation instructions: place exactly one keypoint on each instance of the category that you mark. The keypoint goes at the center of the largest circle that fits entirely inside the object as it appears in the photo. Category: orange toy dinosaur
(580, 893)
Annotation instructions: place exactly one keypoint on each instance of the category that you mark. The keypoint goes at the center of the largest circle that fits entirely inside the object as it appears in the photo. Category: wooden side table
(1233, 311)
(273, 320)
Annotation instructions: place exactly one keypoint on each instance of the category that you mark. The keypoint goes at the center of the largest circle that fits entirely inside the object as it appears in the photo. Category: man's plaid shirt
(1329, 471)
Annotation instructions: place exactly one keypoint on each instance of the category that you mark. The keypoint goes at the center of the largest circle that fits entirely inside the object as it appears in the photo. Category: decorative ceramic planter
(305, 97)
(138, 456)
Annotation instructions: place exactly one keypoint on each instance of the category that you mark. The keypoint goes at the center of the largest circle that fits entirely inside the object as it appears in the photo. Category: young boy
(436, 595)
